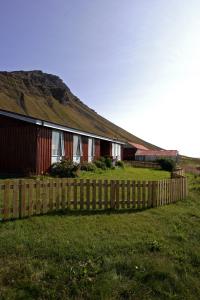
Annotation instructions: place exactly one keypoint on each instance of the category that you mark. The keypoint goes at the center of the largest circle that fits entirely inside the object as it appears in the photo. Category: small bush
(119, 163)
(85, 166)
(108, 162)
(167, 164)
(100, 164)
(65, 168)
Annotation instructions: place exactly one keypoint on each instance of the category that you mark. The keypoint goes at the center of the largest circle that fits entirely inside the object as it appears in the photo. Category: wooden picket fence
(24, 198)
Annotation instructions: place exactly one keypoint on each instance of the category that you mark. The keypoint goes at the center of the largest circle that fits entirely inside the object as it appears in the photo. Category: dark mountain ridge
(46, 97)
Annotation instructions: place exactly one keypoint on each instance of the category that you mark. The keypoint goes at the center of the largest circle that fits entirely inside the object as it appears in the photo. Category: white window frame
(91, 149)
(57, 146)
(77, 148)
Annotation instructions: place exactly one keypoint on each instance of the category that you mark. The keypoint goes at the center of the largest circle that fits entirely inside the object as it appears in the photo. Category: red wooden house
(30, 145)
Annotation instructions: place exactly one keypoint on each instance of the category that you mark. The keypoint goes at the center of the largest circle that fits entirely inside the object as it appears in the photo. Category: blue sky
(137, 63)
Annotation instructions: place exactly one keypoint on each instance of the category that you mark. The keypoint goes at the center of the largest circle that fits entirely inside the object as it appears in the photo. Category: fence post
(112, 194)
(20, 199)
(154, 194)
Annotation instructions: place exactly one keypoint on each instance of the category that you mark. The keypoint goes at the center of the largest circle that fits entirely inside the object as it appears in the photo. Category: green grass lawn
(152, 254)
(130, 173)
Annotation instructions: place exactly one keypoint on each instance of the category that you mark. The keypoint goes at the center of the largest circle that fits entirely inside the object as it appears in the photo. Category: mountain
(47, 97)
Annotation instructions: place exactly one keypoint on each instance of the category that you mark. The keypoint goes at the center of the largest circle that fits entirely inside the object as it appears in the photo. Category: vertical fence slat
(63, 195)
(117, 184)
(6, 201)
(23, 198)
(143, 194)
(75, 193)
(138, 194)
(68, 183)
(122, 193)
(38, 202)
(30, 207)
(106, 194)
(133, 194)
(128, 193)
(15, 199)
(88, 194)
(100, 193)
(112, 194)
(81, 194)
(94, 194)
(51, 193)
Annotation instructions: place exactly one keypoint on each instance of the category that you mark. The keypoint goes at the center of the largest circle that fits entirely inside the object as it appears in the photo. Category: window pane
(55, 142)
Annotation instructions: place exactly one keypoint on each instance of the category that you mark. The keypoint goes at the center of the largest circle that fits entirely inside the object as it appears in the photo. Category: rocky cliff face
(47, 97)
(37, 83)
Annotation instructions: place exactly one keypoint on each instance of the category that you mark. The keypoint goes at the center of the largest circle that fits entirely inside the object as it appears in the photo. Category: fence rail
(23, 198)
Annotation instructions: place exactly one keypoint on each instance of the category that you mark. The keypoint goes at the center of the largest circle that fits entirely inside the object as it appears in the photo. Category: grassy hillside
(46, 97)
(152, 254)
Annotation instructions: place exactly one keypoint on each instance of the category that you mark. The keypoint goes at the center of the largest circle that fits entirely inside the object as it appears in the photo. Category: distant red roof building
(130, 149)
(157, 152)
(152, 155)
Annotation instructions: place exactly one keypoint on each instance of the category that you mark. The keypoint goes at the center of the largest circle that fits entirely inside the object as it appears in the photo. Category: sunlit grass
(154, 254)
(128, 173)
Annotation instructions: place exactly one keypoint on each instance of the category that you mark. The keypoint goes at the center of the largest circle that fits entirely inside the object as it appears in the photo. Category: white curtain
(116, 151)
(58, 149)
(77, 148)
(91, 149)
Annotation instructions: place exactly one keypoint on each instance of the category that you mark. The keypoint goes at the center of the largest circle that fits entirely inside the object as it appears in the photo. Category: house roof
(41, 96)
(166, 153)
(54, 126)
(138, 146)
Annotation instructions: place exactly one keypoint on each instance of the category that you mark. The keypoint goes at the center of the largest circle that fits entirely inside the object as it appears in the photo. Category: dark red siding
(105, 148)
(128, 153)
(17, 146)
(85, 148)
(68, 141)
(97, 149)
(43, 150)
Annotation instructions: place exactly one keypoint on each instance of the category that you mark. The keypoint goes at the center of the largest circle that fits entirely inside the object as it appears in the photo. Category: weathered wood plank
(6, 202)
(100, 193)
(106, 194)
(94, 194)
(81, 194)
(88, 194)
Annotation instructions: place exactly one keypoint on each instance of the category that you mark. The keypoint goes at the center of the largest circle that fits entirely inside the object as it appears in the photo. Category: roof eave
(55, 126)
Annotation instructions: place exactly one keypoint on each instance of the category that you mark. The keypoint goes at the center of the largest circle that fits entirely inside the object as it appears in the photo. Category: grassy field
(153, 254)
(127, 173)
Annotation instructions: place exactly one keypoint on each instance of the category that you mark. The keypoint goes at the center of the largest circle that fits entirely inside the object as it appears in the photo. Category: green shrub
(85, 166)
(167, 164)
(119, 163)
(108, 162)
(65, 168)
(100, 164)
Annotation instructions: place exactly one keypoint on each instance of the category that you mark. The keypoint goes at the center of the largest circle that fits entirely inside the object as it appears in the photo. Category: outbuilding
(130, 149)
(153, 155)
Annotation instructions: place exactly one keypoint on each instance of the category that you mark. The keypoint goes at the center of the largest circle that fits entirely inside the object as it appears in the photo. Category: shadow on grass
(78, 213)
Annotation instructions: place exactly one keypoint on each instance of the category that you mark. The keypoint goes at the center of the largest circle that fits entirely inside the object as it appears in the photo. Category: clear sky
(136, 62)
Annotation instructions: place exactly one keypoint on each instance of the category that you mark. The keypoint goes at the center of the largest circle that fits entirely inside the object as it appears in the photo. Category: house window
(58, 151)
(116, 151)
(91, 149)
(77, 148)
